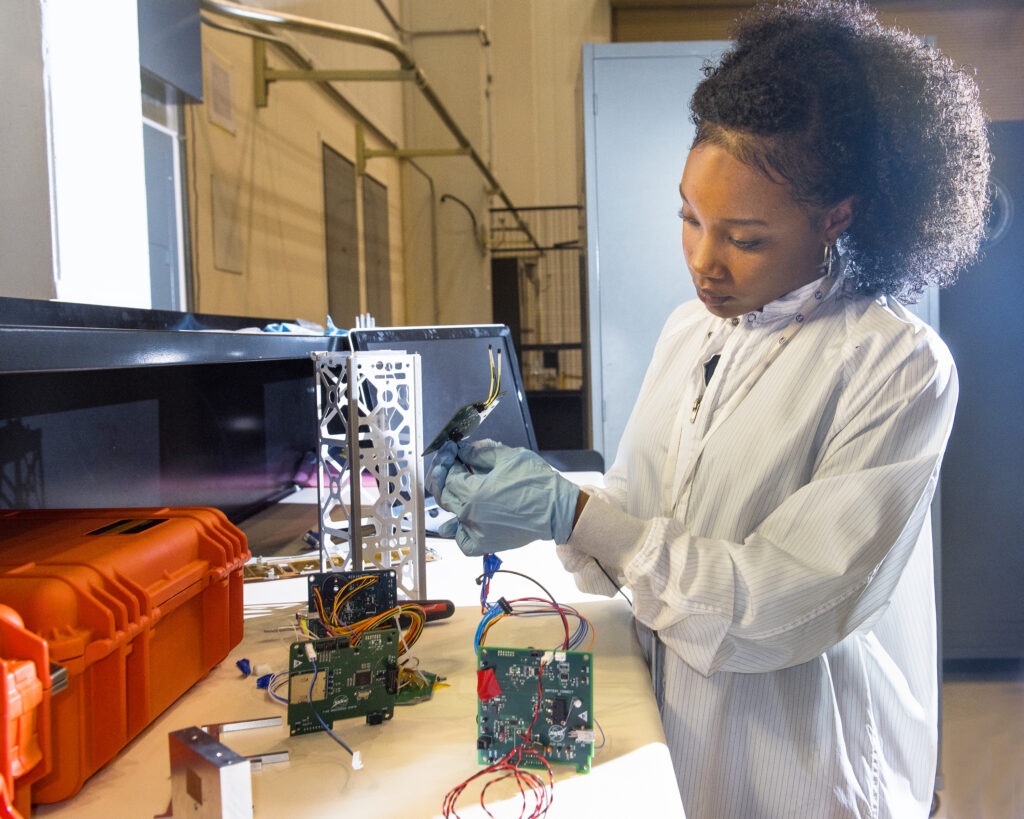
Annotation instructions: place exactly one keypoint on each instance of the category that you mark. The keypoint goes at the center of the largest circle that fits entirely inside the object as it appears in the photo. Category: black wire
(480, 580)
(618, 588)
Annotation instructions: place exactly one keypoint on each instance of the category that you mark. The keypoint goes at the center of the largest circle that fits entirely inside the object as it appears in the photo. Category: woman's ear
(838, 218)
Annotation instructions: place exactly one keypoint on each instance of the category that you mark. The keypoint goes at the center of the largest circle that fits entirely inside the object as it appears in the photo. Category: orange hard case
(136, 604)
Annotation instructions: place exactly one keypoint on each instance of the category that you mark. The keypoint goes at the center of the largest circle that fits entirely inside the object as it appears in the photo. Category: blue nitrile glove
(511, 497)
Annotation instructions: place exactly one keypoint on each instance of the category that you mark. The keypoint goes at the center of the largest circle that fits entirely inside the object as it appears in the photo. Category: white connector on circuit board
(310, 652)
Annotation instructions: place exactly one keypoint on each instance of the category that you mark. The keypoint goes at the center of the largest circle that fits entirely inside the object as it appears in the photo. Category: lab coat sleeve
(588, 576)
(824, 563)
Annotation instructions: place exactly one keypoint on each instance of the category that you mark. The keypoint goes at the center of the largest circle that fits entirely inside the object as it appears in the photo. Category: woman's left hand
(502, 497)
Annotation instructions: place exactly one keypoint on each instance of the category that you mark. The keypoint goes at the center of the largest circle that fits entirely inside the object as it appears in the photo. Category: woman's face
(746, 241)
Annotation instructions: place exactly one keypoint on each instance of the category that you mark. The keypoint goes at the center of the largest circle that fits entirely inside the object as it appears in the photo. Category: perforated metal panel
(370, 471)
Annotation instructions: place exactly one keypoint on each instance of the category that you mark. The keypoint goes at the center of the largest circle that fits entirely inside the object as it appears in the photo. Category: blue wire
(491, 564)
(312, 708)
(492, 613)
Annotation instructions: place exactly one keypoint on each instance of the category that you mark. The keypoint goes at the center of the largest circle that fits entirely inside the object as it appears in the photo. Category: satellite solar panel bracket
(370, 428)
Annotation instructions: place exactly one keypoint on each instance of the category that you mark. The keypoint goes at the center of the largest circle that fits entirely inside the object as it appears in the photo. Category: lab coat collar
(786, 307)
(783, 308)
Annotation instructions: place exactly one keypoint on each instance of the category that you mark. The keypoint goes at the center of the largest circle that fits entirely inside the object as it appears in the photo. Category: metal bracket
(185, 743)
(363, 153)
(215, 729)
(264, 75)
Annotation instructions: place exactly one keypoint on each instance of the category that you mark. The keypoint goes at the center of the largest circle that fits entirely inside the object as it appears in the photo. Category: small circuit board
(362, 594)
(463, 423)
(541, 700)
(349, 681)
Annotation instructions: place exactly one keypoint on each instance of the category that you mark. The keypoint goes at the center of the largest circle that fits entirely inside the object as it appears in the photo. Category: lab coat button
(799, 317)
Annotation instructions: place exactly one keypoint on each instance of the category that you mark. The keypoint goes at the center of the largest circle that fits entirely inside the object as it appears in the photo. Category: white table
(412, 760)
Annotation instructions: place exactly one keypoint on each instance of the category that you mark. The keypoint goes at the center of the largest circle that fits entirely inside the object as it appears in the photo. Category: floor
(982, 746)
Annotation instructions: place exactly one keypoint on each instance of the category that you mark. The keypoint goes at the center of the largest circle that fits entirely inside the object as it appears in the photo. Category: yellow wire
(490, 392)
(411, 635)
(495, 383)
(483, 635)
(341, 598)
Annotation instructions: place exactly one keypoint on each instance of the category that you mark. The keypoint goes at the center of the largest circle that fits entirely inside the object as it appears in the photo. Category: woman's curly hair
(821, 94)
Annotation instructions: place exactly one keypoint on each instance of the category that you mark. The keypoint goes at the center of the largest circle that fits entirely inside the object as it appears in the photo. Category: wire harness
(535, 711)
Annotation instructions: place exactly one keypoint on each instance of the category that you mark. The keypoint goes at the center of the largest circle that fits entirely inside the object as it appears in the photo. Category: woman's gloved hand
(510, 498)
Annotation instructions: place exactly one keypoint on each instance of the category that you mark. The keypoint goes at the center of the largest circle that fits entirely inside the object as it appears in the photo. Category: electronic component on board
(537, 700)
(463, 423)
(331, 679)
(348, 597)
(469, 416)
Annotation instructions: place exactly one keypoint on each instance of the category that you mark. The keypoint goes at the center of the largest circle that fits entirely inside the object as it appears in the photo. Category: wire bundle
(537, 607)
(527, 607)
(492, 396)
(530, 785)
(417, 617)
(333, 621)
(335, 627)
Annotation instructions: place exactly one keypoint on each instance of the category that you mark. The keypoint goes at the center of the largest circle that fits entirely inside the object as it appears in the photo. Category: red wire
(536, 708)
(509, 766)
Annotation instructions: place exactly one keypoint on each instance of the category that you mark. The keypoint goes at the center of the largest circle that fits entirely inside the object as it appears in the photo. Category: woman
(769, 503)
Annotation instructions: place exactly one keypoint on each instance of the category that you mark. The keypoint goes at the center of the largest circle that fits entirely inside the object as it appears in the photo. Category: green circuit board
(349, 681)
(541, 700)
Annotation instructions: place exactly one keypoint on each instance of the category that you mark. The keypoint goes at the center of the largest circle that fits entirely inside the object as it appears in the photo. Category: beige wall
(456, 67)
(536, 57)
(523, 120)
(514, 101)
(987, 35)
(269, 175)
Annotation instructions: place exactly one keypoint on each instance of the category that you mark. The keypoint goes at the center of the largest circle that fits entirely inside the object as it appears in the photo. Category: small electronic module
(330, 679)
(348, 597)
(538, 700)
(469, 416)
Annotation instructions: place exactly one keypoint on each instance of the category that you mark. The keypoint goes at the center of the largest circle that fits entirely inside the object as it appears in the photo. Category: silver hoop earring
(826, 262)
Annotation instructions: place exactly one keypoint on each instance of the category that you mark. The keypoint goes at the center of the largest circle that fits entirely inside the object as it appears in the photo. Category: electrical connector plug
(310, 652)
(357, 760)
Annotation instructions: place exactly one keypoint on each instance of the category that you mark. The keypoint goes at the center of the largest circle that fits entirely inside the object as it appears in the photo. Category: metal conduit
(373, 39)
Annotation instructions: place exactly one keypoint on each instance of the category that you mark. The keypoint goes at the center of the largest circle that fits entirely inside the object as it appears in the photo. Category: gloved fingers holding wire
(502, 497)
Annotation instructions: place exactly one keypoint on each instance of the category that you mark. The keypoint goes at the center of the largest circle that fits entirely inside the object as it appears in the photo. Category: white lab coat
(781, 546)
